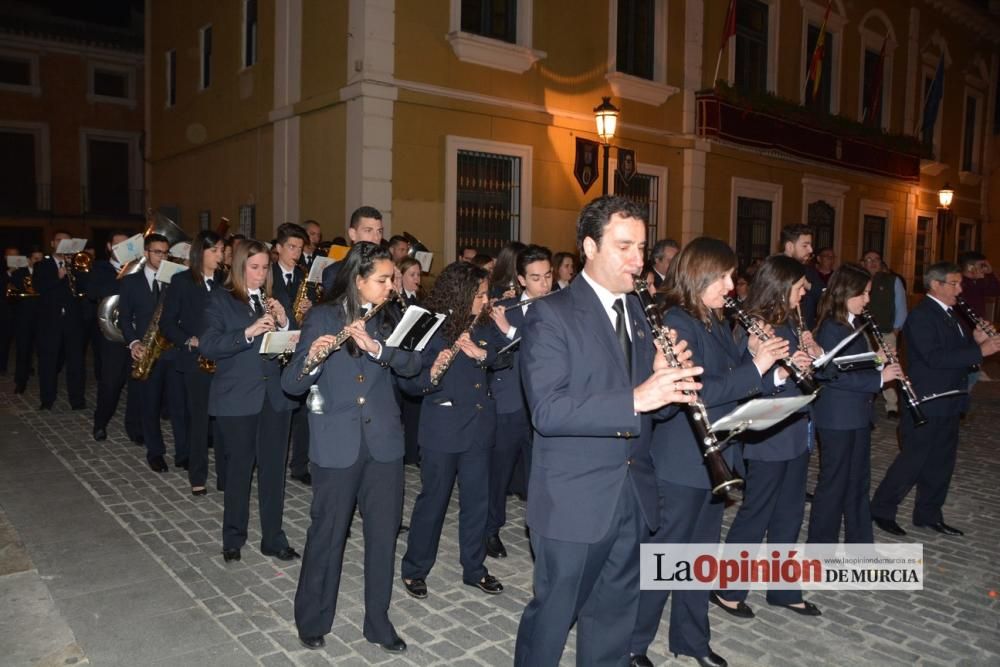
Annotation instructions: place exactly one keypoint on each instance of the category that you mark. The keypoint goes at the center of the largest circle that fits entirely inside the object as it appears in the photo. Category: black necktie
(156, 290)
(951, 314)
(258, 308)
(288, 280)
(209, 284)
(622, 332)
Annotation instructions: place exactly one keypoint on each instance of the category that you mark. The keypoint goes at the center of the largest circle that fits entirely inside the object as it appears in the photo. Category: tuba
(107, 309)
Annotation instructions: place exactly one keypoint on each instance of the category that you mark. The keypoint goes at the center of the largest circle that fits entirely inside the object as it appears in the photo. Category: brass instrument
(82, 262)
(313, 362)
(154, 344)
(720, 475)
(301, 296)
(802, 377)
(977, 322)
(28, 289)
(910, 394)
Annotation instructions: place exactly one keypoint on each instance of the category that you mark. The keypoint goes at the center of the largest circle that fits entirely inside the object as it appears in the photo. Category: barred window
(488, 201)
(753, 230)
(248, 221)
(496, 19)
(822, 217)
(642, 189)
(923, 251)
(873, 234)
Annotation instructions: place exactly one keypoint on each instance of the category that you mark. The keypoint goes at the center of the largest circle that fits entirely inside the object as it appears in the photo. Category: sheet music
(416, 322)
(762, 413)
(168, 270)
(71, 246)
(823, 360)
(17, 262)
(279, 342)
(129, 249)
(316, 270)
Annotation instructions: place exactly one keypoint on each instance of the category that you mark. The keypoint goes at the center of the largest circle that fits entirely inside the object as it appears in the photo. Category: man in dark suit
(314, 235)
(7, 310)
(660, 257)
(114, 355)
(797, 243)
(940, 353)
(60, 328)
(366, 225)
(592, 381)
(140, 295)
(25, 321)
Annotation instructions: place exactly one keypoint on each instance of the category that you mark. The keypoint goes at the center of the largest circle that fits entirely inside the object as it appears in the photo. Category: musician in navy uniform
(363, 465)
(26, 320)
(246, 399)
(776, 459)
(365, 225)
(940, 352)
(115, 357)
(694, 293)
(592, 383)
(457, 421)
(182, 323)
(513, 432)
(410, 275)
(842, 415)
(60, 328)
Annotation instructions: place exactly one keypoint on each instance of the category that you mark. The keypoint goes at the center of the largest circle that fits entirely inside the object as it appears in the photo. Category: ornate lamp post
(606, 117)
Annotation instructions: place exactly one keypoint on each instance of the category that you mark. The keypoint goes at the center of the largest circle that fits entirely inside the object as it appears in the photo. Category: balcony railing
(33, 200)
(112, 201)
(770, 123)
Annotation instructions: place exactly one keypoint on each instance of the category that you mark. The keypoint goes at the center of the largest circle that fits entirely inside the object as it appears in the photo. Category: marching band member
(776, 460)
(410, 277)
(182, 322)
(698, 280)
(564, 264)
(363, 465)
(246, 399)
(26, 320)
(842, 414)
(503, 275)
(457, 422)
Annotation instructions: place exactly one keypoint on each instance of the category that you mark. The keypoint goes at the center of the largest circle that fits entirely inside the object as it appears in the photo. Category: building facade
(71, 125)
(460, 119)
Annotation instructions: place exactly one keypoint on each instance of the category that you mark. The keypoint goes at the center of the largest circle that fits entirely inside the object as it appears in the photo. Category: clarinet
(721, 477)
(912, 402)
(800, 376)
(977, 322)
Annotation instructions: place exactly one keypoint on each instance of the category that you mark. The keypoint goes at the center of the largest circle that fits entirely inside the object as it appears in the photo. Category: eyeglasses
(953, 283)
(158, 253)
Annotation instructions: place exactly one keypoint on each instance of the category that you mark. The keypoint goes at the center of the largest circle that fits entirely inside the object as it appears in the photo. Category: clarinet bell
(315, 401)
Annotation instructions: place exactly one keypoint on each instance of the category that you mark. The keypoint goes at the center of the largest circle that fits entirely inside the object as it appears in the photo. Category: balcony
(114, 202)
(30, 200)
(769, 123)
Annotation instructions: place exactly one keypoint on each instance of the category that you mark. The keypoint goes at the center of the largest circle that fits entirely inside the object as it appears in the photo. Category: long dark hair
(359, 263)
(205, 240)
(452, 295)
(505, 270)
(698, 265)
(769, 291)
(848, 281)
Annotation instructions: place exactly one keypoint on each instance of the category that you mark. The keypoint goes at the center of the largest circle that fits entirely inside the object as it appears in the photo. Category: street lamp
(606, 117)
(945, 195)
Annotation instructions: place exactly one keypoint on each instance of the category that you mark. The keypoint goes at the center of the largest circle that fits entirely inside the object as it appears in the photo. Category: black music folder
(415, 329)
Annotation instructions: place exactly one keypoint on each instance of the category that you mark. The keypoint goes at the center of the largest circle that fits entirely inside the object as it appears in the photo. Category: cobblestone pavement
(952, 621)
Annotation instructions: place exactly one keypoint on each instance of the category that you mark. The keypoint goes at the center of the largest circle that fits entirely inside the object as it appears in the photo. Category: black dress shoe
(488, 584)
(199, 492)
(808, 608)
(230, 554)
(713, 659)
(100, 434)
(416, 588)
(941, 527)
(312, 643)
(741, 610)
(182, 464)
(157, 464)
(396, 645)
(304, 478)
(495, 548)
(889, 526)
(640, 661)
(287, 553)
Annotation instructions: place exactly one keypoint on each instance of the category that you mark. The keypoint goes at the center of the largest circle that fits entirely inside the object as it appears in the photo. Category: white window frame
(43, 157)
(833, 193)
(812, 15)
(201, 56)
(882, 209)
(243, 38)
(170, 73)
(927, 71)
(773, 11)
(454, 144)
(34, 88)
(653, 91)
(126, 70)
(912, 260)
(977, 138)
(662, 174)
(135, 176)
(872, 41)
(746, 187)
(495, 53)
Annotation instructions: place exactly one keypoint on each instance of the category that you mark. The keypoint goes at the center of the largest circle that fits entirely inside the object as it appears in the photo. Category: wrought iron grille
(753, 230)
(488, 201)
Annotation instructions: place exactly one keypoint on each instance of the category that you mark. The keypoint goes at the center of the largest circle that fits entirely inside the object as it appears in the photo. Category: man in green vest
(888, 308)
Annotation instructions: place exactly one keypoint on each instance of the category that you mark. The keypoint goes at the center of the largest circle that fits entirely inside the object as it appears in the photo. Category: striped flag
(728, 30)
(816, 62)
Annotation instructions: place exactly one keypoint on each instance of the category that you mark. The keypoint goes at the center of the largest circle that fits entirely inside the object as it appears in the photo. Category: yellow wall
(321, 165)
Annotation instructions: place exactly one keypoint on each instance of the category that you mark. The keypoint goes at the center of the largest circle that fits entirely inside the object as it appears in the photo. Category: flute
(800, 376)
(313, 362)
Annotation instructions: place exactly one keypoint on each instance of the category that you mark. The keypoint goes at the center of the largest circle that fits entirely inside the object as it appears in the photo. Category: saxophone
(301, 296)
(154, 343)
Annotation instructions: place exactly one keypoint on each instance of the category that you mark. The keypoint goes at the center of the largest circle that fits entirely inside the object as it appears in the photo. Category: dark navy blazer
(330, 275)
(54, 295)
(845, 401)
(506, 382)
(938, 357)
(730, 378)
(459, 414)
(286, 295)
(588, 440)
(103, 281)
(136, 306)
(243, 376)
(358, 393)
(184, 316)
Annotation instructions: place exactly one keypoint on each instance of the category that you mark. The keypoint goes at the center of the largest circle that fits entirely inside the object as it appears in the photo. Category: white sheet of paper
(168, 270)
(412, 314)
(762, 413)
(823, 360)
(71, 246)
(17, 261)
(316, 270)
(181, 250)
(279, 342)
(129, 249)
(425, 259)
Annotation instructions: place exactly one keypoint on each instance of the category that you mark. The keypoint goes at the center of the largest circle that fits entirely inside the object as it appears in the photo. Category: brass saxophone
(301, 296)
(154, 344)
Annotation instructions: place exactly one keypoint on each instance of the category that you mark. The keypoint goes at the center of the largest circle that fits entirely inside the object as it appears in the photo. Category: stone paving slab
(248, 605)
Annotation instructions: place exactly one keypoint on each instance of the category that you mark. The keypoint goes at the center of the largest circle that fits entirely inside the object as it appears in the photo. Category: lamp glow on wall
(606, 117)
(945, 195)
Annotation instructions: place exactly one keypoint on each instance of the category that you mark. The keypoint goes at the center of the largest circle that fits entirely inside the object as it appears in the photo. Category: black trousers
(151, 392)
(410, 409)
(927, 460)
(841, 494)
(513, 440)
(594, 585)
(25, 329)
(61, 336)
(687, 515)
(298, 460)
(261, 440)
(377, 489)
(116, 365)
(177, 408)
(197, 384)
(6, 335)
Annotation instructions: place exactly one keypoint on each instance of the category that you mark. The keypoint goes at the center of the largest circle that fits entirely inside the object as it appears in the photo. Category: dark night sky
(106, 12)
